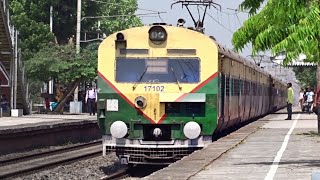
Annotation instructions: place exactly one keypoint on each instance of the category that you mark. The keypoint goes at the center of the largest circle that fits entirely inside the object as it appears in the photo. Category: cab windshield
(159, 70)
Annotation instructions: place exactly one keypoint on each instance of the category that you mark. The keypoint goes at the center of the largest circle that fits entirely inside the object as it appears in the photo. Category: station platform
(43, 120)
(269, 148)
(19, 134)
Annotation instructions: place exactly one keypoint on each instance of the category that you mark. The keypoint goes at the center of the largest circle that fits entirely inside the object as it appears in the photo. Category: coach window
(240, 86)
(245, 84)
(182, 70)
(227, 86)
(236, 87)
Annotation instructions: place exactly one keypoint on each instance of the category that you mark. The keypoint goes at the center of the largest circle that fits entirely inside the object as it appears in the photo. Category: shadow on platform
(296, 112)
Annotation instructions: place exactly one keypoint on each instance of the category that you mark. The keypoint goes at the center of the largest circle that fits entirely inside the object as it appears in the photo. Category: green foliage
(35, 94)
(62, 62)
(45, 60)
(33, 32)
(32, 18)
(292, 26)
(119, 7)
(306, 76)
(252, 5)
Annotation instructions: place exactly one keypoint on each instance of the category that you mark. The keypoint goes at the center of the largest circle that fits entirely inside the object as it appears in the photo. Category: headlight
(118, 129)
(192, 130)
(157, 34)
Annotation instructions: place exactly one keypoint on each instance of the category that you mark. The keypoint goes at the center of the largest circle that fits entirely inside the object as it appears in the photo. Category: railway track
(137, 171)
(25, 164)
(122, 173)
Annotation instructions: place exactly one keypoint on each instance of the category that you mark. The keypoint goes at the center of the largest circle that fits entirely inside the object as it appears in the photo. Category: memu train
(165, 91)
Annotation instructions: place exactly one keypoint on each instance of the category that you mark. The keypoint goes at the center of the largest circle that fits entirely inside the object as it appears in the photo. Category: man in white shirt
(91, 99)
(309, 95)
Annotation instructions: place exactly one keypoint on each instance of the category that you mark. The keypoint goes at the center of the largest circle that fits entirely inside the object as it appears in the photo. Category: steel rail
(7, 161)
(46, 160)
(122, 173)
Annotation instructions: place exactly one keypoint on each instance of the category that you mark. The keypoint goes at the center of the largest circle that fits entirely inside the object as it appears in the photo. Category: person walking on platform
(289, 101)
(301, 98)
(309, 95)
(91, 98)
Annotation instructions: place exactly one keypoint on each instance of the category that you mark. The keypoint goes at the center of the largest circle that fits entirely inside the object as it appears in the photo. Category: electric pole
(78, 42)
(51, 30)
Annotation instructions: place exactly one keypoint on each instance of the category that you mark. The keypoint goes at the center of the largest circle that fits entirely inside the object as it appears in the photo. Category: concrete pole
(51, 18)
(51, 30)
(15, 69)
(78, 42)
(12, 72)
(78, 27)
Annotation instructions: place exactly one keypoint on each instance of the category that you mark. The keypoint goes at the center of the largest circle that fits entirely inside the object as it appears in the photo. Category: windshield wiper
(137, 83)
(180, 88)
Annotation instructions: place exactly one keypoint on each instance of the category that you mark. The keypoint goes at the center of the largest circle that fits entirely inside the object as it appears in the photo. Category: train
(166, 91)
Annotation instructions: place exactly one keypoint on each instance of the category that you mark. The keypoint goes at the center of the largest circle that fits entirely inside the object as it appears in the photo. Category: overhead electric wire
(160, 17)
(217, 21)
(235, 15)
(142, 9)
(116, 4)
(219, 10)
(238, 19)
(238, 11)
(121, 15)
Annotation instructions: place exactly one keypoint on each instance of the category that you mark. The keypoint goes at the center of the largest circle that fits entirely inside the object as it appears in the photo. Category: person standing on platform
(289, 101)
(91, 99)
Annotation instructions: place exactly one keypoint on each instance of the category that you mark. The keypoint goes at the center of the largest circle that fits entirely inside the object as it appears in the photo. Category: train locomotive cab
(157, 93)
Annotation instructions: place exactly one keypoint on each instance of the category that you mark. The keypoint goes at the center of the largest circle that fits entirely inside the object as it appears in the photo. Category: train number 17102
(154, 88)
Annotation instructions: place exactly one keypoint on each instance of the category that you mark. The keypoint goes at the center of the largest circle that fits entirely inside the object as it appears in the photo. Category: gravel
(88, 169)
(36, 151)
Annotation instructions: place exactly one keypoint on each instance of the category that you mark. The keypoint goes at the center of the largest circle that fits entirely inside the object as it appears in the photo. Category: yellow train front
(164, 92)
(157, 96)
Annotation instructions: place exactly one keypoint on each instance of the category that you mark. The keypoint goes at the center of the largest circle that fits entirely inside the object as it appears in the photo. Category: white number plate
(112, 105)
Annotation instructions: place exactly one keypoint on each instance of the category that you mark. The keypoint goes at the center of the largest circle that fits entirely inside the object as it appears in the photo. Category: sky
(221, 25)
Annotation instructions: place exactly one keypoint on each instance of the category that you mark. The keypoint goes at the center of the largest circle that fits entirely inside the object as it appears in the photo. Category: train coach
(165, 91)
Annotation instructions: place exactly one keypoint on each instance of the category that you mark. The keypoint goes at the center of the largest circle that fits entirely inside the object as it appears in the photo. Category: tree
(62, 62)
(292, 26)
(33, 32)
(32, 17)
(44, 60)
(306, 76)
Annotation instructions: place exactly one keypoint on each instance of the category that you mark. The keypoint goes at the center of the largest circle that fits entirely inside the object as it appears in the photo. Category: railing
(16, 63)
(5, 6)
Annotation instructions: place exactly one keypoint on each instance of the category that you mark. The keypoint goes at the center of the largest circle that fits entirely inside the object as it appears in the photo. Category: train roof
(231, 54)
